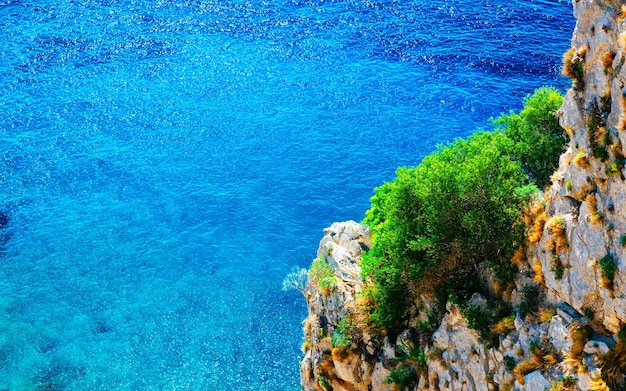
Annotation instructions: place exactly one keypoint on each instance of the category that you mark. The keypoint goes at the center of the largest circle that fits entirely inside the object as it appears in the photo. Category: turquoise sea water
(165, 163)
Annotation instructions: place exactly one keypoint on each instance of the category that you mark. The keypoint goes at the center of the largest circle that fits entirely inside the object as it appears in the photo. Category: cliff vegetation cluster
(497, 263)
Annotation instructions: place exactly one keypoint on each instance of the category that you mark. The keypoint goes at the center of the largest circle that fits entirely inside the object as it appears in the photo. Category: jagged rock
(596, 347)
(535, 381)
(341, 248)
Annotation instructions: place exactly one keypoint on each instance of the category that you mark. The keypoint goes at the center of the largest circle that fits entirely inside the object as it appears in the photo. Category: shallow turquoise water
(164, 164)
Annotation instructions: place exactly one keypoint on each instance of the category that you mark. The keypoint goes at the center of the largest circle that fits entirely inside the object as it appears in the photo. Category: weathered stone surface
(535, 381)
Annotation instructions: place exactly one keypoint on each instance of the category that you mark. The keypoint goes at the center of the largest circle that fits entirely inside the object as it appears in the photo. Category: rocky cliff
(570, 295)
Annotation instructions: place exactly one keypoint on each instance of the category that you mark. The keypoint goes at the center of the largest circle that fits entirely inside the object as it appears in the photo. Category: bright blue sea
(165, 163)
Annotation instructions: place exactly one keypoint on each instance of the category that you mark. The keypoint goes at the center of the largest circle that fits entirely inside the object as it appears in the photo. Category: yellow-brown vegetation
(340, 354)
(573, 365)
(504, 326)
(596, 216)
(582, 160)
(525, 367)
(613, 364)
(538, 269)
(597, 384)
(581, 194)
(580, 334)
(568, 66)
(519, 257)
(546, 314)
(557, 227)
(536, 230)
(607, 59)
(622, 123)
(622, 13)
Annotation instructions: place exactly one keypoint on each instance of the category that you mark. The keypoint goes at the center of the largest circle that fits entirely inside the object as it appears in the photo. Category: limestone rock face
(589, 193)
(326, 365)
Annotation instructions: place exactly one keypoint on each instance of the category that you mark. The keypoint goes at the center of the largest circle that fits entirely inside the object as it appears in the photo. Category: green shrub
(509, 363)
(530, 299)
(323, 382)
(342, 336)
(608, 266)
(403, 377)
(322, 274)
(539, 139)
(460, 207)
(478, 319)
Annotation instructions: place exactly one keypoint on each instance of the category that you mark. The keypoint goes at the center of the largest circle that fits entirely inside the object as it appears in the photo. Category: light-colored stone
(596, 347)
(536, 381)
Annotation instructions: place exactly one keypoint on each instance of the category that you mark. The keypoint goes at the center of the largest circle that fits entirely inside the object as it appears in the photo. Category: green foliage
(478, 318)
(414, 354)
(608, 266)
(322, 274)
(622, 240)
(509, 363)
(539, 139)
(530, 299)
(402, 376)
(460, 207)
(342, 336)
(323, 382)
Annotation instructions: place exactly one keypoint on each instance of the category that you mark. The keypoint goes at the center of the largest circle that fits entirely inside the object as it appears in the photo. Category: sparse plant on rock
(613, 364)
(402, 376)
(322, 274)
(609, 267)
(296, 279)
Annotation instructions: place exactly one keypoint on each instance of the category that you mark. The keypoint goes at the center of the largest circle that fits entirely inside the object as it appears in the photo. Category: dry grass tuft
(538, 269)
(523, 368)
(580, 334)
(613, 364)
(582, 160)
(607, 59)
(582, 193)
(622, 13)
(504, 326)
(596, 216)
(573, 364)
(340, 354)
(597, 384)
(519, 257)
(536, 229)
(546, 314)
(557, 226)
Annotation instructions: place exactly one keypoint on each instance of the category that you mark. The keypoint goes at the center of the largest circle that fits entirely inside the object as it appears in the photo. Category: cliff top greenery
(437, 225)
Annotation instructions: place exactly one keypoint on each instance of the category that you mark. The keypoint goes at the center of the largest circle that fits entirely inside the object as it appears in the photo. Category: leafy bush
(530, 299)
(457, 209)
(608, 266)
(539, 139)
(402, 376)
(343, 334)
(322, 274)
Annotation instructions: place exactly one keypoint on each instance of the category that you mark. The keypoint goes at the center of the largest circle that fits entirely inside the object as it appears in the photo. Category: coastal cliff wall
(575, 261)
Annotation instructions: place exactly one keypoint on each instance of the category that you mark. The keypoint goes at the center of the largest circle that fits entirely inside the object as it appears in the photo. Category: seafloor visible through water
(165, 163)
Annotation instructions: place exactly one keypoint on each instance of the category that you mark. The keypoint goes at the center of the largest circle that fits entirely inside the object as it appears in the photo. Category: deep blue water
(165, 163)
